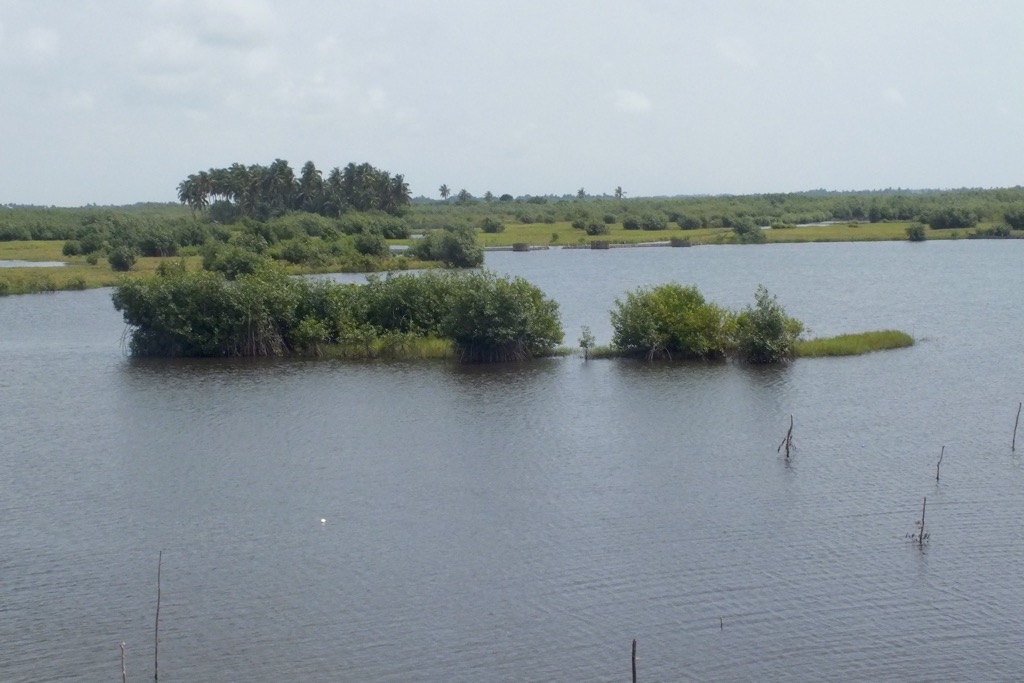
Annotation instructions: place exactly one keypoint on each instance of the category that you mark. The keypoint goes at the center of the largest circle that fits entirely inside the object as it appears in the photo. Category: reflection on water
(525, 522)
(8, 263)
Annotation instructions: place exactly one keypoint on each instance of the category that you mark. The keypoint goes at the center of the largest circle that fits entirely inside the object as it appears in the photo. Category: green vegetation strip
(481, 316)
(853, 344)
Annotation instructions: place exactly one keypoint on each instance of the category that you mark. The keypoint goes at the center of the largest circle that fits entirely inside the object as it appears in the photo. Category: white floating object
(323, 521)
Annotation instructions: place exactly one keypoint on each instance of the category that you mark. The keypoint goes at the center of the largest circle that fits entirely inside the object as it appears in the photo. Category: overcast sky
(116, 101)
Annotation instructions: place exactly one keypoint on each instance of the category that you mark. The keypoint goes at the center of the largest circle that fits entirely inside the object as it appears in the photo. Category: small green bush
(688, 222)
(748, 233)
(122, 258)
(454, 247)
(916, 233)
(1014, 217)
(371, 244)
(952, 217)
(492, 225)
(671, 321)
(764, 333)
(653, 221)
(493, 318)
(231, 260)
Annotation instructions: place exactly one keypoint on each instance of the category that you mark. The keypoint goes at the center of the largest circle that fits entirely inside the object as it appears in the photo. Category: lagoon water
(526, 522)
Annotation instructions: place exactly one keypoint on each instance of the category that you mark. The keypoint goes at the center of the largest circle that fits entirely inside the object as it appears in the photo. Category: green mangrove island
(476, 316)
(211, 275)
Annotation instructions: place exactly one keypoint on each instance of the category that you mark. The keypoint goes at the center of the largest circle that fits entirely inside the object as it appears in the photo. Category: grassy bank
(853, 344)
(79, 274)
(840, 345)
(562, 234)
(399, 347)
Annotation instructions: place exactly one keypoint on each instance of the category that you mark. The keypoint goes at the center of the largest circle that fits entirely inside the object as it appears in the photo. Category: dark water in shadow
(525, 522)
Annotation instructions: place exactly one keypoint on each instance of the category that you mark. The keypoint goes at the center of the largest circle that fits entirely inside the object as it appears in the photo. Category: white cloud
(893, 96)
(195, 83)
(77, 100)
(40, 44)
(632, 102)
(736, 51)
(232, 24)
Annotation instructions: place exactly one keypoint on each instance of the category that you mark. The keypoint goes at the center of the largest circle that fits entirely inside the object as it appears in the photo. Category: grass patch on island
(853, 344)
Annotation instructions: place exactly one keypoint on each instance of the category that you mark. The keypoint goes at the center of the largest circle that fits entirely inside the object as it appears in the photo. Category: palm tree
(309, 196)
(279, 186)
(397, 194)
(445, 192)
(464, 196)
(191, 194)
(220, 183)
(334, 195)
(619, 193)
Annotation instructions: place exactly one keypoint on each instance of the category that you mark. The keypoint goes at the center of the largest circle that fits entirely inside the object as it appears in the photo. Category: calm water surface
(525, 522)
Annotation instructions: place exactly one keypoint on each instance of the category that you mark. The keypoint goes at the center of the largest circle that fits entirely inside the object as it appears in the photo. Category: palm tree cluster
(263, 192)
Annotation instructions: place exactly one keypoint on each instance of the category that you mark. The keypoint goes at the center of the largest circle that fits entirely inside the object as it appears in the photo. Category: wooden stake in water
(939, 463)
(124, 671)
(634, 660)
(787, 441)
(920, 533)
(156, 627)
(1013, 445)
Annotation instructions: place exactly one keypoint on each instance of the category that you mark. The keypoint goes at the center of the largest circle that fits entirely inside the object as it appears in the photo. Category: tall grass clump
(853, 344)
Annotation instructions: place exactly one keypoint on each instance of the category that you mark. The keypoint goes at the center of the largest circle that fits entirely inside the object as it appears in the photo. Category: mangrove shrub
(266, 313)
(186, 313)
(454, 247)
(670, 321)
(764, 333)
(492, 318)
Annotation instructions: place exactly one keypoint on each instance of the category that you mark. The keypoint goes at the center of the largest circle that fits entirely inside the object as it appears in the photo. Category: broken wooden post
(156, 627)
(1013, 444)
(787, 441)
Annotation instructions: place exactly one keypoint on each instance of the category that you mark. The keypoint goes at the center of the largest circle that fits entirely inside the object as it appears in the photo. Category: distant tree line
(939, 209)
(263, 192)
